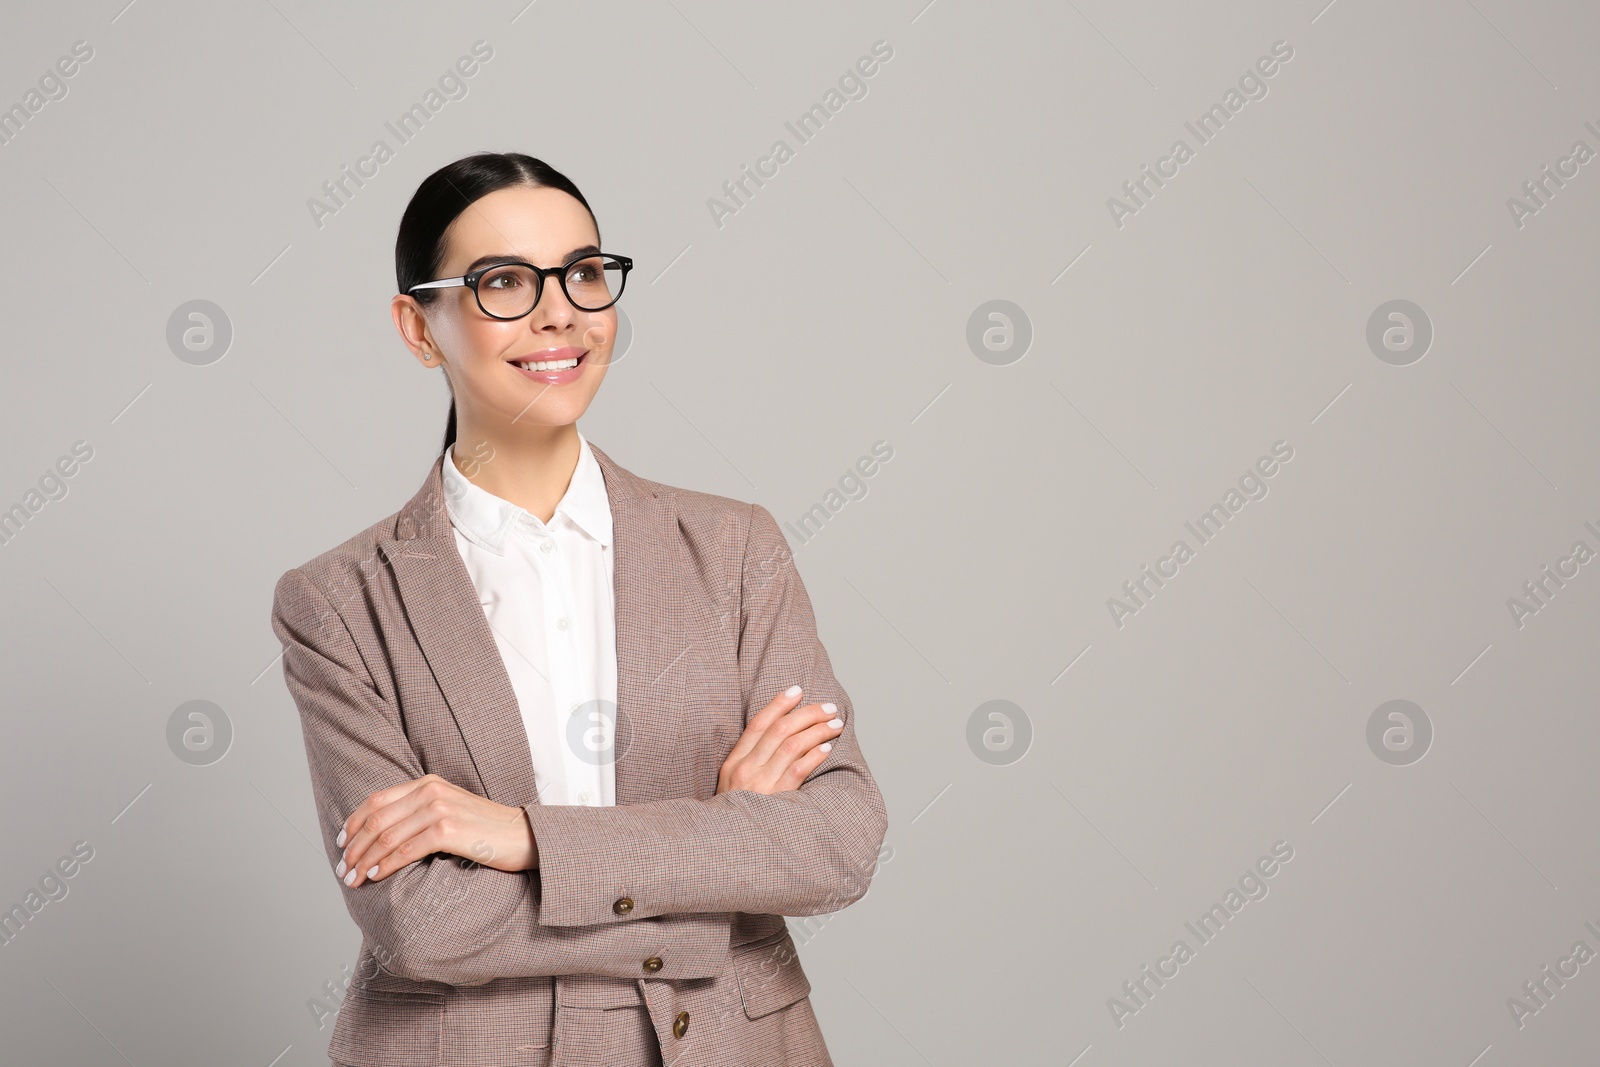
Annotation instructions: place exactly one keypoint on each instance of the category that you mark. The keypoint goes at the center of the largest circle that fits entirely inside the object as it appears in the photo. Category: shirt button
(561, 624)
(583, 797)
(547, 545)
(652, 965)
(680, 1025)
(623, 905)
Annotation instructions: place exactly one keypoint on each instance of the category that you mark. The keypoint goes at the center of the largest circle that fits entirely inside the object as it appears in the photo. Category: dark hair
(444, 195)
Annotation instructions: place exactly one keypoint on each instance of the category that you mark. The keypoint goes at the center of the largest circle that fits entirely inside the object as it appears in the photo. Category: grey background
(769, 354)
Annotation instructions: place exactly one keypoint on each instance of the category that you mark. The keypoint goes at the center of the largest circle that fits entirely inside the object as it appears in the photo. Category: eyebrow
(490, 260)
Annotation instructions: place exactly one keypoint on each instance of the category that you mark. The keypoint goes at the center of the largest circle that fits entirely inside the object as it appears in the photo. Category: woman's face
(537, 225)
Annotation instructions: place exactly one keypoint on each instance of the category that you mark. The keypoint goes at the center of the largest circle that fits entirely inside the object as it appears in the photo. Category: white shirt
(548, 595)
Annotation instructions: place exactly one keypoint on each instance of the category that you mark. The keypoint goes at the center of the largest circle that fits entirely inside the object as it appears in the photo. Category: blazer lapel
(653, 654)
(448, 621)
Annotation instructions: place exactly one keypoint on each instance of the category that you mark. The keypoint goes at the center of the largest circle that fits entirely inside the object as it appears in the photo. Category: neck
(531, 466)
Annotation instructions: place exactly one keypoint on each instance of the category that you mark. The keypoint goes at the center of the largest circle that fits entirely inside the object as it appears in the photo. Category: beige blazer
(673, 899)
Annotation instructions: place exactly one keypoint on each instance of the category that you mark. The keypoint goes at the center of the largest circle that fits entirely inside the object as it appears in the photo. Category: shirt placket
(566, 670)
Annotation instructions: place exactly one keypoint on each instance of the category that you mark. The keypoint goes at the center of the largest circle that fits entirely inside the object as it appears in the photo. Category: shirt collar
(486, 519)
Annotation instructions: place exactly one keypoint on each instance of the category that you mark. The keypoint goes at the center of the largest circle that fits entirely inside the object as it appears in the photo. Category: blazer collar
(486, 519)
(653, 653)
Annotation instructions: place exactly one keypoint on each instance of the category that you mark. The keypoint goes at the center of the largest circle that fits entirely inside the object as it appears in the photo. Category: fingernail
(374, 872)
(835, 723)
(792, 691)
(339, 870)
(340, 839)
(350, 878)
(830, 707)
(826, 746)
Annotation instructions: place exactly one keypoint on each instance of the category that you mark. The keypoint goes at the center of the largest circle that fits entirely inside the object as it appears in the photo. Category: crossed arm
(793, 830)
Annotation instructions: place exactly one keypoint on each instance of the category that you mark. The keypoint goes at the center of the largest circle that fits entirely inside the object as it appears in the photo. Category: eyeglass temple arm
(445, 284)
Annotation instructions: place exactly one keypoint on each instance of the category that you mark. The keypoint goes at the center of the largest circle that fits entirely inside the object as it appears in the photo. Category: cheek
(456, 332)
(488, 339)
(478, 346)
(600, 336)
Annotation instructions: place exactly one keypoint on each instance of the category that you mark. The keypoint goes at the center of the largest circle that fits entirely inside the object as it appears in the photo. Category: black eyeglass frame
(471, 281)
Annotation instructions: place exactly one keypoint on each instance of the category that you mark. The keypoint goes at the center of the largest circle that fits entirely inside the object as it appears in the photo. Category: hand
(404, 823)
(780, 746)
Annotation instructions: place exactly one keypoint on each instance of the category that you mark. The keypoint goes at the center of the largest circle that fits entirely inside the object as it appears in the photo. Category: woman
(574, 744)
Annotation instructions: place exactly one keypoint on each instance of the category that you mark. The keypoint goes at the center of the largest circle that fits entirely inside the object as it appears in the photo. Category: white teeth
(553, 364)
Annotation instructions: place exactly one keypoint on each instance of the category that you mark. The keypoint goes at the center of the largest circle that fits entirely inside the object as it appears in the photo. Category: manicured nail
(374, 872)
(826, 746)
(830, 707)
(340, 839)
(792, 691)
(339, 870)
(835, 723)
(350, 879)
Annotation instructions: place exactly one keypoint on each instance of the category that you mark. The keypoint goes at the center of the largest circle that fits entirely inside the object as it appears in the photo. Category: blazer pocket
(597, 991)
(769, 973)
(389, 1026)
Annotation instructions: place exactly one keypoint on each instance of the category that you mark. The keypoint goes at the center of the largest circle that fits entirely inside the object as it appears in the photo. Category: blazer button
(623, 905)
(680, 1025)
(653, 964)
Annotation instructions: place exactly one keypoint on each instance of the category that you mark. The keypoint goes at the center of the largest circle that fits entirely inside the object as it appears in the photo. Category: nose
(553, 312)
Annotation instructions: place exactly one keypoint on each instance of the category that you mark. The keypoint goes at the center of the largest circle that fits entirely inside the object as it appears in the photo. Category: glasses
(511, 290)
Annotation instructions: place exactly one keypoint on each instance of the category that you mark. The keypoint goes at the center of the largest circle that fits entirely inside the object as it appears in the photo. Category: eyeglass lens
(591, 284)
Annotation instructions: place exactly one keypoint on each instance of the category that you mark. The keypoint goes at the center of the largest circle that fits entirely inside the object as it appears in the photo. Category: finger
(378, 799)
(782, 729)
(801, 743)
(383, 809)
(404, 852)
(358, 851)
(779, 732)
(761, 720)
(795, 759)
(398, 845)
(801, 768)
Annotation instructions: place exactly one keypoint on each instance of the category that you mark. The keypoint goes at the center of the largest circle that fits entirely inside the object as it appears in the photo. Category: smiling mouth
(550, 364)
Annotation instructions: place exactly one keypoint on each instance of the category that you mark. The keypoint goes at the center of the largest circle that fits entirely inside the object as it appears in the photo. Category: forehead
(540, 224)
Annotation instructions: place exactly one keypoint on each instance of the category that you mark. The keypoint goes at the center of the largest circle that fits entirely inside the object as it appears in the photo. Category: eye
(502, 280)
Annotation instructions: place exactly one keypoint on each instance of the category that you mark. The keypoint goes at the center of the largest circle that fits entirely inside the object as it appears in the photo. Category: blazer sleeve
(441, 918)
(806, 851)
